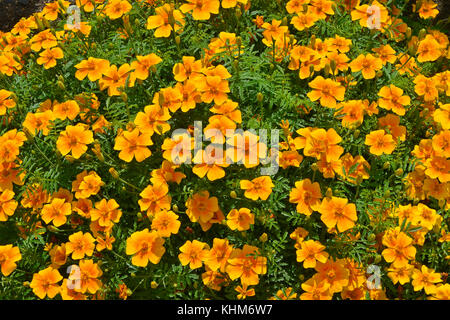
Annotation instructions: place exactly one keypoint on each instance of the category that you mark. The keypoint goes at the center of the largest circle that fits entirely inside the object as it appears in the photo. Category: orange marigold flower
(213, 88)
(438, 167)
(425, 278)
(201, 207)
(244, 292)
(49, 56)
(228, 109)
(114, 78)
(145, 246)
(400, 275)
(153, 119)
(56, 212)
(442, 116)
(337, 212)
(218, 255)
(426, 87)
(117, 8)
(178, 148)
(247, 264)
(166, 223)
(45, 283)
(258, 188)
(201, 9)
(93, 68)
(442, 292)
(87, 184)
(188, 69)
(306, 195)
(39, 121)
(367, 64)
(106, 212)
(80, 245)
(240, 219)
(327, 90)
(399, 248)
(74, 139)
(392, 98)
(209, 164)
(333, 273)
(316, 290)
(68, 109)
(7, 204)
(165, 21)
(441, 143)
(385, 53)
(5, 101)
(193, 253)
(58, 256)
(105, 242)
(86, 277)
(43, 40)
(310, 252)
(9, 255)
(380, 142)
(323, 144)
(166, 174)
(133, 144)
(154, 199)
(142, 65)
(429, 49)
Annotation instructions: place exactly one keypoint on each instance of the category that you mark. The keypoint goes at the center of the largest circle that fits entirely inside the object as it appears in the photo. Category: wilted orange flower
(307, 195)
(154, 199)
(56, 212)
(201, 207)
(114, 78)
(425, 278)
(166, 223)
(114, 9)
(310, 252)
(145, 246)
(133, 144)
(165, 21)
(240, 219)
(399, 248)
(247, 264)
(258, 188)
(80, 245)
(7, 204)
(106, 212)
(5, 101)
(392, 98)
(45, 283)
(218, 255)
(367, 64)
(58, 256)
(49, 56)
(337, 212)
(316, 290)
(9, 255)
(429, 49)
(74, 139)
(93, 68)
(201, 9)
(380, 142)
(327, 90)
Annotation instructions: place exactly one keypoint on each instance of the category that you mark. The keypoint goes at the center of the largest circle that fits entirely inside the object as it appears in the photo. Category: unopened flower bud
(408, 33)
(154, 284)
(314, 167)
(399, 172)
(177, 40)
(61, 85)
(333, 66)
(387, 194)
(114, 173)
(329, 193)
(175, 208)
(238, 13)
(263, 237)
(312, 43)
(422, 34)
(259, 97)
(356, 133)
(371, 237)
(233, 194)
(326, 70)
(377, 258)
(124, 96)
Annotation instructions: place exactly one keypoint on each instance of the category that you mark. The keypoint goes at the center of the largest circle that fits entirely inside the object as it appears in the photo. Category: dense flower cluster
(107, 192)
